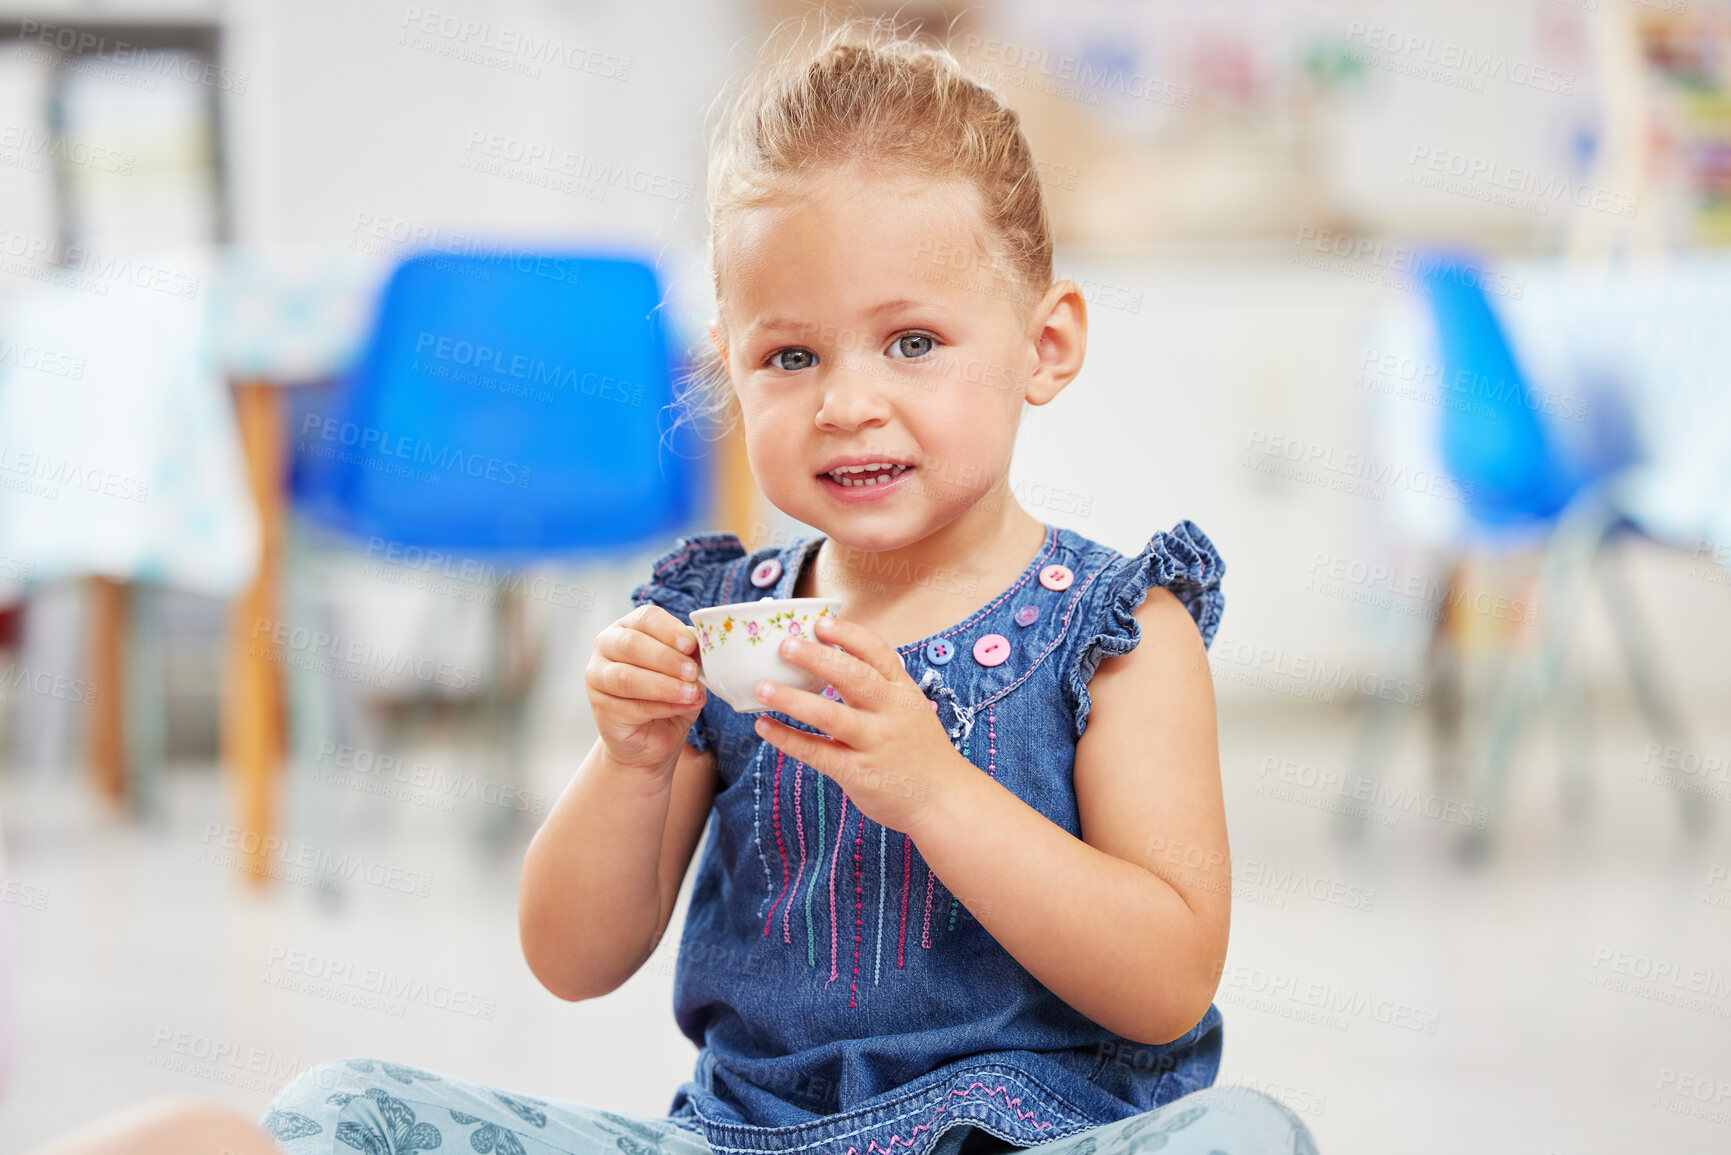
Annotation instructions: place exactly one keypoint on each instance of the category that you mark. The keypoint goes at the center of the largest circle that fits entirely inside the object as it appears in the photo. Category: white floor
(148, 971)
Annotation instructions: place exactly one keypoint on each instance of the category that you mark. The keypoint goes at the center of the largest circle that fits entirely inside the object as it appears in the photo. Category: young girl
(974, 896)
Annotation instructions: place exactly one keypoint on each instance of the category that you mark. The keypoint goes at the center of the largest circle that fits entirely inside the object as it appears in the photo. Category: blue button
(939, 652)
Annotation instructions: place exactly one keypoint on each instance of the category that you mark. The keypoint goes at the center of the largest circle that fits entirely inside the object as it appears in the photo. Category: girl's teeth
(879, 477)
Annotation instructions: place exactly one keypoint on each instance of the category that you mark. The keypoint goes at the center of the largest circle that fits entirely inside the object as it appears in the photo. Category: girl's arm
(602, 874)
(1127, 924)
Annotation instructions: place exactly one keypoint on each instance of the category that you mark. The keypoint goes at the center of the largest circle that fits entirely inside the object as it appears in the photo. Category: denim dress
(842, 1000)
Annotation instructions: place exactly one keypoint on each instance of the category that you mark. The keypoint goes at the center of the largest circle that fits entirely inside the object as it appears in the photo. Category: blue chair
(506, 409)
(1520, 483)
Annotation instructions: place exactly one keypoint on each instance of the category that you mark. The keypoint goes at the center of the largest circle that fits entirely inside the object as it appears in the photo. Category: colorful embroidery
(897, 1137)
(832, 864)
(858, 914)
(883, 884)
(757, 824)
(907, 872)
(810, 934)
(799, 826)
(779, 845)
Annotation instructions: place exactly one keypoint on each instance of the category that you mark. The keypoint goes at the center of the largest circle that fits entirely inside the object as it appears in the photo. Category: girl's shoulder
(1182, 560)
(709, 569)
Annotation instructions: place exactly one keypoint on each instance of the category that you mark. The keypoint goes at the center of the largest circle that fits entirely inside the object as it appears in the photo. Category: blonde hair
(871, 98)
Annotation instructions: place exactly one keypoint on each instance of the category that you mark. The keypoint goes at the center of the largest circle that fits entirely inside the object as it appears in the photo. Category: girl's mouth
(864, 483)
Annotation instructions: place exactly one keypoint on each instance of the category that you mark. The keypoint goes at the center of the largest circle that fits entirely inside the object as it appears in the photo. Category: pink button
(992, 650)
(934, 703)
(1027, 615)
(766, 572)
(1056, 577)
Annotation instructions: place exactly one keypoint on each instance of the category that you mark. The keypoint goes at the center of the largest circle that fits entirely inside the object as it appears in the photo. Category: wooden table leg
(252, 725)
(109, 604)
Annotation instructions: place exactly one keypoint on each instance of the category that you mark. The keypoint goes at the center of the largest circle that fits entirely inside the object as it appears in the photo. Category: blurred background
(313, 497)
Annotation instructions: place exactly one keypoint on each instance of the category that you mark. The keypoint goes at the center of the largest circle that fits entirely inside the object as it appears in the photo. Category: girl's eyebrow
(767, 325)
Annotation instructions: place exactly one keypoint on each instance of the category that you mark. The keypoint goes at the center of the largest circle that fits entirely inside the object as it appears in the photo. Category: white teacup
(739, 645)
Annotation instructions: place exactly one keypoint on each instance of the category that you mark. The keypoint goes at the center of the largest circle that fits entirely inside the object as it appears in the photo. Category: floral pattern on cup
(793, 623)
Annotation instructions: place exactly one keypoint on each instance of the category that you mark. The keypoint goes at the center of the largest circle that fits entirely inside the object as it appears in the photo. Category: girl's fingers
(637, 648)
(626, 680)
(865, 647)
(820, 754)
(828, 715)
(650, 708)
(651, 619)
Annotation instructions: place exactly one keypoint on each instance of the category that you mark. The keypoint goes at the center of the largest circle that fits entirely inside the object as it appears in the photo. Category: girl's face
(863, 325)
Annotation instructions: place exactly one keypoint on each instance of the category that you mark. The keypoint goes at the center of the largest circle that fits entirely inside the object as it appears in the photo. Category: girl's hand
(643, 687)
(882, 742)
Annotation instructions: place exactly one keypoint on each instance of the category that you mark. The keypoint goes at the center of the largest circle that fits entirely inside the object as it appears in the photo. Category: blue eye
(800, 359)
(912, 345)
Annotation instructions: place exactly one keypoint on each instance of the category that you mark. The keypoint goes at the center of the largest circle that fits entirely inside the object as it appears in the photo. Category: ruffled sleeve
(1183, 561)
(688, 577)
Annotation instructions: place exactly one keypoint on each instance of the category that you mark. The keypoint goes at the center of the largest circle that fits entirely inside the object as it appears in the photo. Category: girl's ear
(719, 340)
(1060, 335)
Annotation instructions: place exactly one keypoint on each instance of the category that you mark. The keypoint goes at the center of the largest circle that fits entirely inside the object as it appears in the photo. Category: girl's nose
(853, 396)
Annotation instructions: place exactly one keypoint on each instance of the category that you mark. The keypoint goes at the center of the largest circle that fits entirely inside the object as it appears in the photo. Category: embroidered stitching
(1033, 569)
(799, 825)
(1063, 628)
(822, 831)
(781, 846)
(883, 883)
(832, 866)
(858, 915)
(757, 823)
(1024, 1116)
(907, 871)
